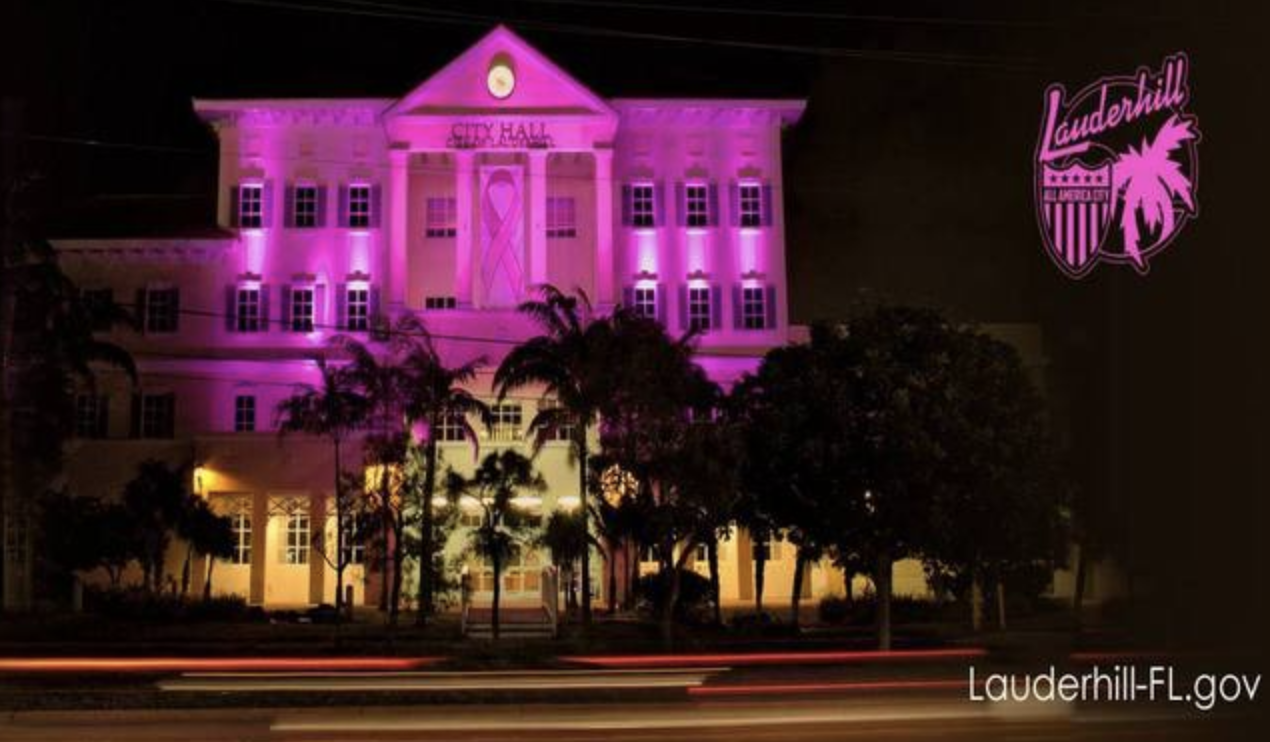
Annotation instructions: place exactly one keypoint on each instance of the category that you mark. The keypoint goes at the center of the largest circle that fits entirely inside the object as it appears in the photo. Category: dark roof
(147, 215)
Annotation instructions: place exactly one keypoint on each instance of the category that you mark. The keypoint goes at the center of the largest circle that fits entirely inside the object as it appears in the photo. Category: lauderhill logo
(1117, 169)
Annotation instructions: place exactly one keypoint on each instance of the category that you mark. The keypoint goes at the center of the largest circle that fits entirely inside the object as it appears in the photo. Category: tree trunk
(207, 585)
(498, 590)
(185, 571)
(394, 603)
(425, 528)
(848, 578)
(883, 582)
(1001, 604)
(1078, 591)
(796, 596)
(712, 556)
(632, 590)
(976, 600)
(339, 538)
(612, 565)
(668, 610)
(760, 575)
(385, 527)
(586, 526)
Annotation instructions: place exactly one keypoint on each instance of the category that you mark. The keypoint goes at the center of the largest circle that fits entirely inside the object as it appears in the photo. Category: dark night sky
(910, 177)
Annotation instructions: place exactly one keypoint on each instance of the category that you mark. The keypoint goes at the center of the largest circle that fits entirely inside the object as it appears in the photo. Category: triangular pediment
(463, 86)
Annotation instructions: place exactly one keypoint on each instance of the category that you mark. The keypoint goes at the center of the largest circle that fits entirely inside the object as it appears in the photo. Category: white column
(463, 238)
(397, 276)
(604, 287)
(537, 217)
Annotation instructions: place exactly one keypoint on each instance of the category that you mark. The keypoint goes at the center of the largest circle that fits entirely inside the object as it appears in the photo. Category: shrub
(133, 603)
(694, 595)
(834, 609)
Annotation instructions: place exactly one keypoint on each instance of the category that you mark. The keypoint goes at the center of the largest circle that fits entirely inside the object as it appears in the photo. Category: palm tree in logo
(1149, 179)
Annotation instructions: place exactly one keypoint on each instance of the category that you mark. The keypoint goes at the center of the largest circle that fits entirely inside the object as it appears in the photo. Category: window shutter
(319, 307)
(737, 311)
(103, 416)
(627, 204)
(683, 307)
(284, 296)
(716, 307)
(169, 424)
(341, 306)
(139, 310)
(767, 204)
(264, 308)
(134, 422)
(342, 216)
(660, 296)
(175, 293)
(376, 202)
(234, 212)
(321, 206)
(288, 205)
(379, 327)
(231, 308)
(628, 297)
(659, 203)
(769, 307)
(713, 204)
(734, 203)
(266, 204)
(681, 206)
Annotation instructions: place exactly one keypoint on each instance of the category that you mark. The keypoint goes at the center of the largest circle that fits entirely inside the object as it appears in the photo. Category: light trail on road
(194, 664)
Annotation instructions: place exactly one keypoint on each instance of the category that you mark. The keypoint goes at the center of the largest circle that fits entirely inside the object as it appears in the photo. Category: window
(247, 309)
(357, 309)
(157, 415)
(565, 429)
(645, 304)
(302, 309)
(305, 206)
(441, 218)
(750, 203)
(643, 213)
(451, 429)
(753, 308)
(161, 310)
(359, 206)
(703, 553)
(769, 550)
(561, 217)
(90, 416)
(297, 549)
(505, 422)
(240, 523)
(471, 517)
(440, 302)
(699, 308)
(244, 413)
(251, 205)
(696, 205)
(99, 303)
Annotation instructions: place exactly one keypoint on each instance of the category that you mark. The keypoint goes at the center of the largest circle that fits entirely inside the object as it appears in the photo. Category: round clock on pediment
(501, 79)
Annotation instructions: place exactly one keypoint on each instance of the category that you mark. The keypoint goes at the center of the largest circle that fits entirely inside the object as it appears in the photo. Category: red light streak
(204, 664)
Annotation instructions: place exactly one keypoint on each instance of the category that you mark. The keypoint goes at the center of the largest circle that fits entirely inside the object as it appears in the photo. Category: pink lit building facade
(499, 173)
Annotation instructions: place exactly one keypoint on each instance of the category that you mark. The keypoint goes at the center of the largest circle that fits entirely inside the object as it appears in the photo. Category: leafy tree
(499, 478)
(334, 409)
(999, 509)
(155, 501)
(572, 362)
(48, 349)
(564, 536)
(215, 538)
(203, 532)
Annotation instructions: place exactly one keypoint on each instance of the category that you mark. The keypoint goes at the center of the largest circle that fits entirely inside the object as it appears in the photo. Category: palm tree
(334, 410)
(217, 541)
(572, 364)
(499, 478)
(1150, 179)
(564, 536)
(203, 531)
(435, 395)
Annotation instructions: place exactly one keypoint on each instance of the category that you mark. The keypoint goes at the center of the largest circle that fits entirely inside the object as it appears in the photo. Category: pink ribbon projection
(501, 270)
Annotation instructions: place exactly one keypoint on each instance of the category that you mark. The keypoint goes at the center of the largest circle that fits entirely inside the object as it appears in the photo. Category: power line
(432, 15)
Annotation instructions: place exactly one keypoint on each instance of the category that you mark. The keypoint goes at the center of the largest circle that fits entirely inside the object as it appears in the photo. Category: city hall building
(499, 173)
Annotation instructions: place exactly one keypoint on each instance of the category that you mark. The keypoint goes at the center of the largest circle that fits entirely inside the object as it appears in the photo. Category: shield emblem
(1076, 210)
